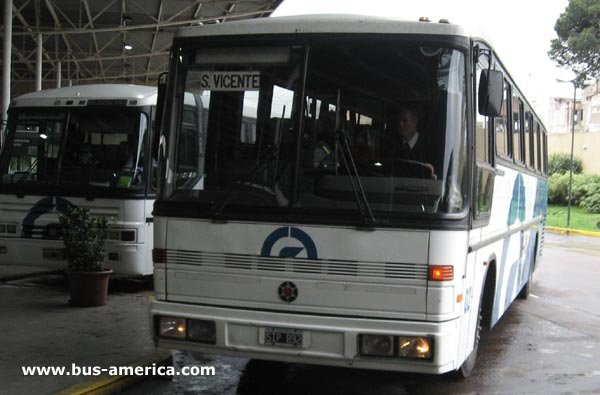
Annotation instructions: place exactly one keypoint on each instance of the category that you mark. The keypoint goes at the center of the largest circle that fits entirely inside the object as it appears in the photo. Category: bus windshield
(368, 129)
(97, 148)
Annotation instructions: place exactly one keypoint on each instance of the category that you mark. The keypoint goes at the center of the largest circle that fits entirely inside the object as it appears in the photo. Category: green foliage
(558, 188)
(578, 42)
(585, 190)
(561, 163)
(583, 186)
(591, 202)
(84, 237)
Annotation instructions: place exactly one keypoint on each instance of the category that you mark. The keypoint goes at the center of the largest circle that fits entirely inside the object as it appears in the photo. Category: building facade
(586, 144)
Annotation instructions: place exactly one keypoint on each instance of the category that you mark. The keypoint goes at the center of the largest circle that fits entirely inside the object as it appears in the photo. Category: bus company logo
(289, 242)
(44, 206)
(288, 292)
(517, 207)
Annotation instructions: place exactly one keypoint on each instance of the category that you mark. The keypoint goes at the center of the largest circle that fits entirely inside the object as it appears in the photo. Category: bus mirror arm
(160, 100)
(161, 153)
(158, 114)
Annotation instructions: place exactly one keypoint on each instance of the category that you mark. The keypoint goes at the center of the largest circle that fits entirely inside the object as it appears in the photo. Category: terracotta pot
(88, 289)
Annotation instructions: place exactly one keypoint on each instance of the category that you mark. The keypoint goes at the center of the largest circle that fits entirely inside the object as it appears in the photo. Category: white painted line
(534, 296)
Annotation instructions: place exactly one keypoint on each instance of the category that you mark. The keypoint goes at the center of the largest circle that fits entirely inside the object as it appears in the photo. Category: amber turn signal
(441, 273)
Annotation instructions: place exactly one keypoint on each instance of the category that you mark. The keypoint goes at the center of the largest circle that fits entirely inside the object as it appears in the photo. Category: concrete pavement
(39, 328)
(558, 329)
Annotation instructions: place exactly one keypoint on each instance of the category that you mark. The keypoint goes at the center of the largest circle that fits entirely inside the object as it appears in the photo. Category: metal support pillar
(38, 63)
(572, 144)
(58, 73)
(6, 64)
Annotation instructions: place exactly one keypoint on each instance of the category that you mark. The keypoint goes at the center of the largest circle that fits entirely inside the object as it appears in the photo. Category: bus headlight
(172, 327)
(415, 347)
(126, 235)
(8, 229)
(377, 345)
(202, 331)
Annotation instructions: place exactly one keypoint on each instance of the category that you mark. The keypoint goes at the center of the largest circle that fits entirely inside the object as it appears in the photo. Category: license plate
(54, 254)
(282, 337)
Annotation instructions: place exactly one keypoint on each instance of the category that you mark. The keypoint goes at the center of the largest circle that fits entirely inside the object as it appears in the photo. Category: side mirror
(491, 91)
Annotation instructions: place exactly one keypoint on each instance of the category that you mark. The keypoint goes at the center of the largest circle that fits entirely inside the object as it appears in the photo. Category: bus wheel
(524, 294)
(468, 365)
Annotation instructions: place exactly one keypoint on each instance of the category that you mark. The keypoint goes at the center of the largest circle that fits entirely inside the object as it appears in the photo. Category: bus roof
(335, 23)
(135, 95)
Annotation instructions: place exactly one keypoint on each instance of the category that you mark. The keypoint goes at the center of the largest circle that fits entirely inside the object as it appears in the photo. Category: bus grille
(220, 261)
(51, 231)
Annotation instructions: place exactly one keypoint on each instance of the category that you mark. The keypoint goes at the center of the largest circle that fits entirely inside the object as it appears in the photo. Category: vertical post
(6, 65)
(69, 69)
(572, 144)
(58, 73)
(38, 63)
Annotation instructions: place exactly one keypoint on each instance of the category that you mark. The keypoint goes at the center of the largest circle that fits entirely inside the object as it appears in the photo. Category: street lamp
(574, 82)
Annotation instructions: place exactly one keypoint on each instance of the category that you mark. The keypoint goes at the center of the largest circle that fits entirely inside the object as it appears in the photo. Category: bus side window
(517, 118)
(501, 125)
(536, 148)
(544, 152)
(528, 136)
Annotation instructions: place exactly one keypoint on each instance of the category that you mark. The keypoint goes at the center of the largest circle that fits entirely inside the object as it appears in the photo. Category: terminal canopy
(109, 41)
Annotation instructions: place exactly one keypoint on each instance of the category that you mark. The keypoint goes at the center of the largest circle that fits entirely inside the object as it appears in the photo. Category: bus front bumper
(327, 340)
(123, 258)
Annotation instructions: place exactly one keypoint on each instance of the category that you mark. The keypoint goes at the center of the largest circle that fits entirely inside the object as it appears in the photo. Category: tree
(578, 42)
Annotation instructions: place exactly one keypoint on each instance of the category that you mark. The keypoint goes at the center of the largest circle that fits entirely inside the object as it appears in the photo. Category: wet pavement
(548, 344)
(39, 328)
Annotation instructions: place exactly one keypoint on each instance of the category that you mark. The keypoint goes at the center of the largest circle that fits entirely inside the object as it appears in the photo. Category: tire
(524, 294)
(467, 367)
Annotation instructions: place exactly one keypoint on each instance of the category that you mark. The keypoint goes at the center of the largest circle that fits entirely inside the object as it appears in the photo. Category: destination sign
(230, 80)
(40, 116)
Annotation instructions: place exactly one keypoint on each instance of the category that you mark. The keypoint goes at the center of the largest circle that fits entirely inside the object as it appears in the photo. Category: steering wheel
(254, 195)
(414, 169)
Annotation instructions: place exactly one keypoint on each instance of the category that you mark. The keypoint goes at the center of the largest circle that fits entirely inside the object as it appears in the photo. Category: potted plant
(83, 238)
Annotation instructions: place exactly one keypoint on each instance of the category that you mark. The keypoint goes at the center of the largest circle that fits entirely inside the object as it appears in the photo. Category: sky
(519, 30)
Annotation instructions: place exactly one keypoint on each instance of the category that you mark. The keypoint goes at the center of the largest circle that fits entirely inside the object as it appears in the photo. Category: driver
(408, 143)
(132, 169)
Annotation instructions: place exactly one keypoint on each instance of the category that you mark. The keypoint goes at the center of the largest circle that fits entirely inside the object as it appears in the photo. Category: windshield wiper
(63, 147)
(25, 174)
(357, 188)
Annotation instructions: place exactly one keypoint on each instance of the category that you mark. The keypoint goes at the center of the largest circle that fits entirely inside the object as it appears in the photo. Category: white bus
(79, 146)
(320, 240)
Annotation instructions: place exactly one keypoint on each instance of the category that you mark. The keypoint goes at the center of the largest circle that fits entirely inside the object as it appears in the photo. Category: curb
(568, 232)
(108, 385)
